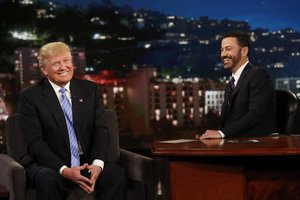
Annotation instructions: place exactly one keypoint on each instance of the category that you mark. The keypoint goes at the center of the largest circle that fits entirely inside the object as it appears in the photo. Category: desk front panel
(198, 181)
(246, 169)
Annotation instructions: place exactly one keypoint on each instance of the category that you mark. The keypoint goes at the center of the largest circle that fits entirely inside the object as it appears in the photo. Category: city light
(26, 2)
(126, 38)
(175, 123)
(147, 46)
(99, 36)
(24, 35)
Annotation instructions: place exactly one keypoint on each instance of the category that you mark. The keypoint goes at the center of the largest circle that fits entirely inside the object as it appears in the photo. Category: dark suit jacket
(44, 127)
(251, 111)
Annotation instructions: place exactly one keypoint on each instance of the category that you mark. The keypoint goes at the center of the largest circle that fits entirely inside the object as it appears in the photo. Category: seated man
(66, 135)
(249, 105)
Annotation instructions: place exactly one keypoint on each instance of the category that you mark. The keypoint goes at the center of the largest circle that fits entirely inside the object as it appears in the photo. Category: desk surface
(259, 146)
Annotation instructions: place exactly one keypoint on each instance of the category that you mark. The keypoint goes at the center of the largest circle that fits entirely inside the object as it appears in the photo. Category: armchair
(287, 109)
(140, 169)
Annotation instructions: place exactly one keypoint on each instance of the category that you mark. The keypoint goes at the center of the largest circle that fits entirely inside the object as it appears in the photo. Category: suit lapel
(225, 103)
(241, 79)
(55, 109)
(226, 106)
(78, 98)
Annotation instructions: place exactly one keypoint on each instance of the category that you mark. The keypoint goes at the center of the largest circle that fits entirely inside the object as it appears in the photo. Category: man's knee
(119, 174)
(48, 178)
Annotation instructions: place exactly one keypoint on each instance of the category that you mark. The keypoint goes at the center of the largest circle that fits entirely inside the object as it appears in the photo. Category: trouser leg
(50, 185)
(112, 183)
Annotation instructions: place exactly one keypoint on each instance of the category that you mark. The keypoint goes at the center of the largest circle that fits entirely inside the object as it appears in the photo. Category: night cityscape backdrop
(157, 62)
(274, 15)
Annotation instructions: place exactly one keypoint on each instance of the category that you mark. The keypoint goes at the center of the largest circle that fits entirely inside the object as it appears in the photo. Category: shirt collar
(238, 73)
(56, 87)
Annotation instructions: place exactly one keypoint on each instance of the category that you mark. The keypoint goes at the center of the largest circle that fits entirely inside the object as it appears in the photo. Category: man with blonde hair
(66, 134)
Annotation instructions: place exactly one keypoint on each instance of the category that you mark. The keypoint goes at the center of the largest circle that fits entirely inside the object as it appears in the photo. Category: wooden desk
(247, 168)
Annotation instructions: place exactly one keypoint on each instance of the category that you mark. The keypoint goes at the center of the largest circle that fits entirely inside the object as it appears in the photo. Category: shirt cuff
(62, 169)
(99, 163)
(222, 134)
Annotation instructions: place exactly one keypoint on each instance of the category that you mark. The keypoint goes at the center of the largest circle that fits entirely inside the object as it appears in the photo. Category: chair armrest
(13, 177)
(139, 168)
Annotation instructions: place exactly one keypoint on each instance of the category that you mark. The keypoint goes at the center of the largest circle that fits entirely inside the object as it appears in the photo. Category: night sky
(270, 14)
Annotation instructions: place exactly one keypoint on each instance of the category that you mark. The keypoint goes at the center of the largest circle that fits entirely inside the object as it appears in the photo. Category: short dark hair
(242, 37)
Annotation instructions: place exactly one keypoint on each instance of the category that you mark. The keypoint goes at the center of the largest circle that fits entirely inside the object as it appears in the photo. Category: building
(138, 100)
(113, 94)
(27, 70)
(213, 101)
(128, 96)
(292, 84)
(184, 102)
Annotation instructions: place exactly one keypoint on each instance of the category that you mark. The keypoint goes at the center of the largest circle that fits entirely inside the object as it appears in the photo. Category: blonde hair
(52, 49)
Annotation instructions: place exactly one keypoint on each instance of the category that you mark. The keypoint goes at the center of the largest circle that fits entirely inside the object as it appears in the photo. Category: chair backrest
(287, 108)
(113, 153)
(16, 145)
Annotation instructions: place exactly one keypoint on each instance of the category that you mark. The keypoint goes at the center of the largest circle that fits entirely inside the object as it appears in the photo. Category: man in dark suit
(249, 104)
(48, 129)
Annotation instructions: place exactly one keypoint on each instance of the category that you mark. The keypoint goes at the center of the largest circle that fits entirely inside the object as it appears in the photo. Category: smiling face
(56, 63)
(232, 54)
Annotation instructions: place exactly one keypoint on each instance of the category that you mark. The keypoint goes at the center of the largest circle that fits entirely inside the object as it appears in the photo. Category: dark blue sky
(271, 14)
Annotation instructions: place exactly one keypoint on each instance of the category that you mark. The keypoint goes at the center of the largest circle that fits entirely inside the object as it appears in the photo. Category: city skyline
(273, 15)
(173, 45)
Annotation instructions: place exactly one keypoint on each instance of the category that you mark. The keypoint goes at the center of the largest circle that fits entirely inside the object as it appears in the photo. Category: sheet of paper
(177, 141)
(242, 141)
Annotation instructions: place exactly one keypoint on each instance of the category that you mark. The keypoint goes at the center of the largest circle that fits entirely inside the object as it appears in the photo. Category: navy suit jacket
(44, 127)
(251, 110)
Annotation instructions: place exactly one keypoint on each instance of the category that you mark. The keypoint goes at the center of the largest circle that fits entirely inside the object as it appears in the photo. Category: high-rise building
(291, 83)
(79, 60)
(138, 109)
(27, 70)
(213, 101)
(184, 102)
(113, 94)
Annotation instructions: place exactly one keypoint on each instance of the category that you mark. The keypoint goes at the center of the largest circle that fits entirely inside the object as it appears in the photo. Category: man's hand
(95, 173)
(209, 134)
(73, 174)
(216, 142)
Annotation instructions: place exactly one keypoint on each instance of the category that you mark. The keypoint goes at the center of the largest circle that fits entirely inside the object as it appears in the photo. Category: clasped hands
(87, 184)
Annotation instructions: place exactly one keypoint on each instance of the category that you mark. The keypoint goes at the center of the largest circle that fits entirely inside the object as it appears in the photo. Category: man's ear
(245, 51)
(44, 71)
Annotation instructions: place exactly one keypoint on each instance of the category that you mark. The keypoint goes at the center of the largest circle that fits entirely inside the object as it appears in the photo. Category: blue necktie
(67, 108)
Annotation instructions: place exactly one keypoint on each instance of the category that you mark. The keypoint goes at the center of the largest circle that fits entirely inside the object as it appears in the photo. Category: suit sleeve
(100, 136)
(31, 128)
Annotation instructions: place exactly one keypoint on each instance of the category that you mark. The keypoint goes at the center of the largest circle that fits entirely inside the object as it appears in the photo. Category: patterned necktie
(231, 85)
(67, 108)
(230, 91)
